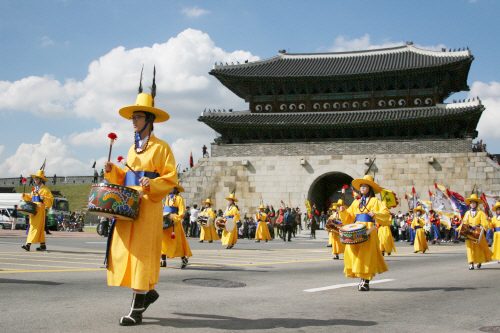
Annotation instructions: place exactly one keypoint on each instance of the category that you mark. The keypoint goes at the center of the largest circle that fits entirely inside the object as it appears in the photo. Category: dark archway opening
(326, 189)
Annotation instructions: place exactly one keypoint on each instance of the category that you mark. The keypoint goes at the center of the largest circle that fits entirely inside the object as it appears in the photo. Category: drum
(353, 233)
(167, 221)
(112, 200)
(333, 225)
(27, 207)
(225, 223)
(203, 220)
(230, 225)
(473, 233)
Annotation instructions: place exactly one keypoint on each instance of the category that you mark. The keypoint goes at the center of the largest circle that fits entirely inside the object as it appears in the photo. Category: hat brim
(418, 210)
(179, 188)
(496, 206)
(234, 199)
(39, 177)
(469, 200)
(356, 183)
(207, 202)
(128, 111)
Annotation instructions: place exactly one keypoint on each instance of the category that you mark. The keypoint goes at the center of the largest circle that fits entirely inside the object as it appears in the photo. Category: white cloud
(1, 149)
(29, 157)
(184, 90)
(342, 44)
(488, 125)
(46, 41)
(194, 11)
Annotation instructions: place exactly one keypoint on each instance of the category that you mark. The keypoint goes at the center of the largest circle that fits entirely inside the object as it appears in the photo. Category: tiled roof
(343, 63)
(337, 119)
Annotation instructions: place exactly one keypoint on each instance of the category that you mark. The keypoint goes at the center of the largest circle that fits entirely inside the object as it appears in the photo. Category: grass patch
(77, 195)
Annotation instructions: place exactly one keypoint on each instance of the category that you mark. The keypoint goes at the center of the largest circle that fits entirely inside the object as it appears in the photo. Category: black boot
(336, 257)
(184, 262)
(163, 261)
(135, 315)
(26, 246)
(42, 247)
(364, 285)
(151, 297)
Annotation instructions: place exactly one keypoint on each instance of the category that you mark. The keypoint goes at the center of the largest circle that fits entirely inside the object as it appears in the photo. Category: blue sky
(68, 65)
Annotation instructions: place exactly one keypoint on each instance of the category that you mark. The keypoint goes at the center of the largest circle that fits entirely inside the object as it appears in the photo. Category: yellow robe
(386, 241)
(230, 238)
(262, 232)
(495, 221)
(477, 253)
(136, 245)
(334, 239)
(175, 245)
(364, 260)
(36, 232)
(420, 243)
(209, 233)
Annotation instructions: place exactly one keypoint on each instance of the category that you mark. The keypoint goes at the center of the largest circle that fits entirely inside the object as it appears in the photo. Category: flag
(430, 194)
(93, 165)
(308, 206)
(440, 200)
(413, 190)
(486, 206)
(389, 197)
(43, 165)
(457, 201)
(191, 162)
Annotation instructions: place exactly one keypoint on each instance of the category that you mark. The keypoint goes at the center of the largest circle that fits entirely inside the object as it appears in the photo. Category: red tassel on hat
(172, 235)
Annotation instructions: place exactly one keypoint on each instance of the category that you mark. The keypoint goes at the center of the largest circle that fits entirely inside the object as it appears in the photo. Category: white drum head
(230, 224)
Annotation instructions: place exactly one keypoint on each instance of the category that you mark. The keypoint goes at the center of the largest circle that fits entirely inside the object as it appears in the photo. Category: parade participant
(455, 224)
(262, 232)
(364, 260)
(386, 241)
(135, 246)
(435, 225)
(174, 243)
(337, 246)
(229, 239)
(331, 211)
(477, 253)
(208, 233)
(43, 199)
(420, 243)
(495, 221)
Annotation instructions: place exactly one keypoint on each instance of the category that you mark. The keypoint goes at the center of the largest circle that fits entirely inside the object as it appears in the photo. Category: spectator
(14, 217)
(289, 220)
(205, 151)
(96, 177)
(193, 218)
(186, 220)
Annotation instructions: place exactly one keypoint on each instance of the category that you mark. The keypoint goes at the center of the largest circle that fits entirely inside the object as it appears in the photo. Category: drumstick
(112, 137)
(121, 159)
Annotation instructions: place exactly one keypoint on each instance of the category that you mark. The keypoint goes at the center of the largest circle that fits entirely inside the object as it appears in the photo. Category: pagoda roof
(220, 121)
(299, 65)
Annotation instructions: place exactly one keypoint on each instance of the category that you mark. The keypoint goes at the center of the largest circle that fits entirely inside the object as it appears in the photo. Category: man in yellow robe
(174, 243)
(495, 221)
(364, 260)
(229, 238)
(208, 232)
(477, 253)
(337, 246)
(262, 232)
(417, 224)
(136, 245)
(43, 199)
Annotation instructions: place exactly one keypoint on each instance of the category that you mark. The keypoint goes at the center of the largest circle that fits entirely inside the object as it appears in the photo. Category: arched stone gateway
(327, 189)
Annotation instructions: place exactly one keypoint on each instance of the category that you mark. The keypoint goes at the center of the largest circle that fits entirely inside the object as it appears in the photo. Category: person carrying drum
(174, 242)
(208, 232)
(337, 246)
(495, 221)
(364, 260)
(43, 199)
(229, 238)
(136, 245)
(262, 232)
(420, 243)
(477, 251)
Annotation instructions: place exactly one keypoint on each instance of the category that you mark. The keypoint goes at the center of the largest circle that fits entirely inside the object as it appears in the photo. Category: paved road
(265, 287)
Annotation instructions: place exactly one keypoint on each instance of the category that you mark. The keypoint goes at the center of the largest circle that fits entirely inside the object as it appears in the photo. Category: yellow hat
(207, 201)
(145, 103)
(368, 180)
(261, 206)
(419, 208)
(473, 197)
(497, 205)
(40, 174)
(340, 202)
(333, 206)
(232, 196)
(179, 187)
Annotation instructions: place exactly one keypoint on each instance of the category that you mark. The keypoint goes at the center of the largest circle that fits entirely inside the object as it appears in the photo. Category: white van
(6, 218)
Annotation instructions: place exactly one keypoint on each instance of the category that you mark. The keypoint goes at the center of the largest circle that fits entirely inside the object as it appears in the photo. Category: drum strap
(363, 218)
(108, 242)
(36, 198)
(132, 180)
(417, 227)
(171, 209)
(497, 229)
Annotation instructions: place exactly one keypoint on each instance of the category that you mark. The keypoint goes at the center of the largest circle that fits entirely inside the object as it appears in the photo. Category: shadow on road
(243, 324)
(43, 283)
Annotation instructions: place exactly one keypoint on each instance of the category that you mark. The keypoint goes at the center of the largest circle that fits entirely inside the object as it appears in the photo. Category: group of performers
(136, 250)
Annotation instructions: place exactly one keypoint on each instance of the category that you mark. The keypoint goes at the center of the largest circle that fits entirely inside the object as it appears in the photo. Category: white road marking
(95, 242)
(491, 263)
(343, 285)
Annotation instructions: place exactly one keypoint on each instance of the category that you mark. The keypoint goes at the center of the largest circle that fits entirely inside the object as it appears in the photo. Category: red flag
(435, 185)
(23, 181)
(413, 190)
(430, 194)
(191, 162)
(485, 204)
